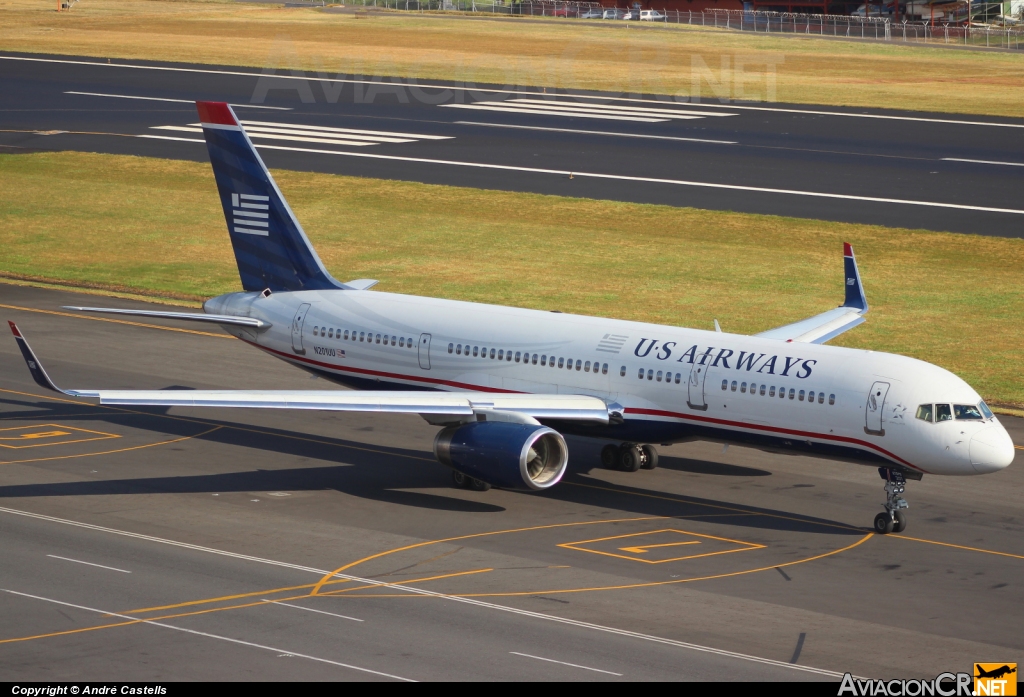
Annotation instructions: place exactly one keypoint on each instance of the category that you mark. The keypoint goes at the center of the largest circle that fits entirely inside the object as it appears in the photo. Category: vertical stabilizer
(271, 249)
(855, 297)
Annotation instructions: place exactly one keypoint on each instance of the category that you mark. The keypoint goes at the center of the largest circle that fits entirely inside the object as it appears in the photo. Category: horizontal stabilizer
(251, 322)
(828, 325)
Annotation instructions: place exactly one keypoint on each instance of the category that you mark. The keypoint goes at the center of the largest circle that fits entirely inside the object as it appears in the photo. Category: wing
(436, 407)
(828, 325)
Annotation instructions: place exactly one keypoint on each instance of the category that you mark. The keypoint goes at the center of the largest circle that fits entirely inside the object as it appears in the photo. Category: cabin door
(695, 387)
(424, 351)
(297, 322)
(873, 411)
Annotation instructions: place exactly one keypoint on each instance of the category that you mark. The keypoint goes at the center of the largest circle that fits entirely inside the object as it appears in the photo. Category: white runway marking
(335, 129)
(180, 101)
(184, 140)
(211, 636)
(651, 180)
(322, 135)
(647, 111)
(88, 563)
(594, 133)
(309, 609)
(463, 88)
(422, 591)
(272, 136)
(984, 162)
(484, 106)
(563, 663)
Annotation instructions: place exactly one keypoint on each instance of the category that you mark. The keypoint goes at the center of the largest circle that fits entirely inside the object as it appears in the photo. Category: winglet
(855, 298)
(34, 366)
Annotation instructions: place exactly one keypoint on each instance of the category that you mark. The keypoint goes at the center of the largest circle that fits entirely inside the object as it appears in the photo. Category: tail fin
(271, 249)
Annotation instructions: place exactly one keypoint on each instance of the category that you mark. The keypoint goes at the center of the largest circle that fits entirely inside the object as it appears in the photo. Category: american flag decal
(611, 343)
(250, 214)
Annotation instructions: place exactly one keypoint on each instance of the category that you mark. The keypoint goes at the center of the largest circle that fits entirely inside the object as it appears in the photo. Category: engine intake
(508, 455)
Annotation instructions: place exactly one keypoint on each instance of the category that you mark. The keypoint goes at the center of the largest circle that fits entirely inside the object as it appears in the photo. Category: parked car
(593, 14)
(614, 13)
(564, 11)
(651, 16)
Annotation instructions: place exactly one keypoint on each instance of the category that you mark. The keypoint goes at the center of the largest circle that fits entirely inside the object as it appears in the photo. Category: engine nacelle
(508, 455)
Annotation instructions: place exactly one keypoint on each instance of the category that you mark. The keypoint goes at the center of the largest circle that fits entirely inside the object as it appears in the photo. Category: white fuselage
(674, 384)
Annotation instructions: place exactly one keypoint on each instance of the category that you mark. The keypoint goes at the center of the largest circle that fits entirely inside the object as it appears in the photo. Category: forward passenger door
(873, 411)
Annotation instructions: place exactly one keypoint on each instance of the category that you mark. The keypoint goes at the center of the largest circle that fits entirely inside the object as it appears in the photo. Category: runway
(930, 171)
(223, 544)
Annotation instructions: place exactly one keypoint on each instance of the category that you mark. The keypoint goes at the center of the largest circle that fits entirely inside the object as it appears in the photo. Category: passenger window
(677, 378)
(316, 331)
(650, 374)
(743, 388)
(924, 412)
(659, 376)
(392, 341)
(543, 359)
(821, 398)
(771, 392)
(622, 372)
(483, 352)
(792, 392)
(501, 354)
(508, 356)
(943, 412)
(733, 385)
(641, 374)
(362, 336)
(401, 342)
(810, 396)
(561, 362)
(967, 412)
(604, 369)
(451, 348)
(534, 361)
(762, 390)
(330, 333)
(586, 367)
(492, 354)
(518, 354)
(458, 348)
(476, 351)
(386, 339)
(725, 384)
(831, 399)
(801, 395)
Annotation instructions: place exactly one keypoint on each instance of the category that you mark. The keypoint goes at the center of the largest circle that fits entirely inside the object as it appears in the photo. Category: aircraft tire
(478, 485)
(460, 480)
(629, 459)
(883, 523)
(901, 522)
(609, 456)
(650, 457)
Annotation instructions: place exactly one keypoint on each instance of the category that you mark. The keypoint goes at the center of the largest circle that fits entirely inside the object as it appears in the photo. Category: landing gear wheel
(883, 523)
(460, 480)
(478, 485)
(630, 458)
(650, 457)
(609, 456)
(901, 522)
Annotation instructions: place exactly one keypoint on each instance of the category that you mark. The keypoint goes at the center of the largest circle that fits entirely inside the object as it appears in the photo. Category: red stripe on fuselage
(628, 410)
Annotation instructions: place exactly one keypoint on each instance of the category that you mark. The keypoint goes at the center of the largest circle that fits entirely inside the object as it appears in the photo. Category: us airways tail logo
(250, 214)
(995, 679)
(720, 357)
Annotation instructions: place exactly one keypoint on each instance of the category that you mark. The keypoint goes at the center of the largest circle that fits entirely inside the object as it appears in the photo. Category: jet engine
(520, 456)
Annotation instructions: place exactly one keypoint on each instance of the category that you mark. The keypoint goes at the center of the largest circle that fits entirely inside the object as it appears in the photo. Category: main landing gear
(893, 519)
(629, 457)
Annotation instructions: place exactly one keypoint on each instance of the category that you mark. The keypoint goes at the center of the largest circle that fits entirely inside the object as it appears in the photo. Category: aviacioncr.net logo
(943, 685)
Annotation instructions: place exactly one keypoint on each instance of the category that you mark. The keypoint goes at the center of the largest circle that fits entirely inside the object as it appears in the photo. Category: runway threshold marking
(464, 88)
(563, 663)
(88, 563)
(594, 133)
(468, 601)
(110, 452)
(179, 101)
(208, 635)
(115, 321)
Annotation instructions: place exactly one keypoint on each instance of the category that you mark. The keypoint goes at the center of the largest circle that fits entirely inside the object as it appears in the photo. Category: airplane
(507, 384)
(997, 673)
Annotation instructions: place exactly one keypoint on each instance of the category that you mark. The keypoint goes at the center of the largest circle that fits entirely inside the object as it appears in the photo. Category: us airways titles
(719, 357)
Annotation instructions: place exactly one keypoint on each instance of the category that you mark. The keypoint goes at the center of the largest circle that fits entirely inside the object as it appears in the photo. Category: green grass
(155, 227)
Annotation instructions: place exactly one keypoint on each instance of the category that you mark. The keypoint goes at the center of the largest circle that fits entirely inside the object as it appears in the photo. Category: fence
(880, 28)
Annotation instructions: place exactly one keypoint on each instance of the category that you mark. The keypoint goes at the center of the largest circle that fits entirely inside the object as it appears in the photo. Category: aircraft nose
(991, 449)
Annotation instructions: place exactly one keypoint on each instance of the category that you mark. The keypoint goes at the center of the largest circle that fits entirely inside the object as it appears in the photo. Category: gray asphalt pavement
(154, 544)
(958, 173)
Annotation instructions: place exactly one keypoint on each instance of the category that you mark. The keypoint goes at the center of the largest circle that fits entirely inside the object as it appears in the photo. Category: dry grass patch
(149, 225)
(574, 55)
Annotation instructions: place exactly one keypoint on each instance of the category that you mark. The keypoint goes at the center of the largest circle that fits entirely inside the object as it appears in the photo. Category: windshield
(942, 413)
(985, 410)
(967, 412)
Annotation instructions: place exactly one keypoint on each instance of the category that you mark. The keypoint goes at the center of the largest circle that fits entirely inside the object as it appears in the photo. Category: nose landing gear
(893, 519)
(629, 457)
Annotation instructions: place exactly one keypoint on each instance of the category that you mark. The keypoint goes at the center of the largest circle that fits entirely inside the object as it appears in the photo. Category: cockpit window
(985, 410)
(967, 412)
(924, 412)
(943, 412)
